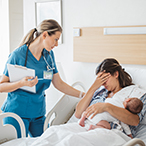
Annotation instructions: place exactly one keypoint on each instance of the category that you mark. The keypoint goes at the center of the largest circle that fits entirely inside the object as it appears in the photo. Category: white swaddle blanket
(117, 100)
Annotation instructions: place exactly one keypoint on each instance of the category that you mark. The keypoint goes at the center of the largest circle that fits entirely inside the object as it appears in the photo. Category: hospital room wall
(86, 13)
(13, 25)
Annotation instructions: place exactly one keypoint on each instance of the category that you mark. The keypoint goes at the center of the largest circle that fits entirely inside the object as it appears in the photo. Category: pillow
(138, 76)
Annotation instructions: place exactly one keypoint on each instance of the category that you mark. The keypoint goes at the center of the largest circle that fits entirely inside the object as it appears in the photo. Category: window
(48, 9)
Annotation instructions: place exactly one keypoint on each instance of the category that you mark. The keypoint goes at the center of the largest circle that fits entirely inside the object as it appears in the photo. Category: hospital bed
(65, 108)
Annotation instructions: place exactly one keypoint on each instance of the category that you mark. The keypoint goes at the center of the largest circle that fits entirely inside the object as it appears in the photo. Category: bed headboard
(93, 46)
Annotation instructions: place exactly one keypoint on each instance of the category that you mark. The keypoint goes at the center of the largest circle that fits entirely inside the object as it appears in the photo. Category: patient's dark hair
(111, 65)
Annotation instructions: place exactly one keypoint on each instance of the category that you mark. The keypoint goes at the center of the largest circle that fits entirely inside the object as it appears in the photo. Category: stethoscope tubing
(48, 66)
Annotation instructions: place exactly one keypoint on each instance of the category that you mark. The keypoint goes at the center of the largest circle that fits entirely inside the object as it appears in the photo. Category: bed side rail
(64, 108)
(8, 132)
(135, 141)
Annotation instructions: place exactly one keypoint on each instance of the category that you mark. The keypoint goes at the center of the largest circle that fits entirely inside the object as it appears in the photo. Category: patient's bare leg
(101, 124)
(82, 120)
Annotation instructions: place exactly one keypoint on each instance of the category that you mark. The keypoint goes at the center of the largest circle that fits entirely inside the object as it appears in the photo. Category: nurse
(35, 52)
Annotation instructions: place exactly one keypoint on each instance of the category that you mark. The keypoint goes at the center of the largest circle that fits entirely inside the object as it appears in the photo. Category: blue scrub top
(23, 103)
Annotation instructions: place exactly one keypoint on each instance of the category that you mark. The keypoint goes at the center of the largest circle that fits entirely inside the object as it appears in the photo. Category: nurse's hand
(29, 81)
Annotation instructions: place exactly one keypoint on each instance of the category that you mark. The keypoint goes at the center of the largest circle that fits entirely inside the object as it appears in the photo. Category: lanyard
(48, 66)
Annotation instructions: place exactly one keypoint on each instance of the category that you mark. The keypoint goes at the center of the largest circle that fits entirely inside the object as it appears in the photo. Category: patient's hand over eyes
(101, 78)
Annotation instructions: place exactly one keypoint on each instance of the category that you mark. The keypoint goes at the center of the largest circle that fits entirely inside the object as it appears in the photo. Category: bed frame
(8, 132)
(66, 105)
(135, 141)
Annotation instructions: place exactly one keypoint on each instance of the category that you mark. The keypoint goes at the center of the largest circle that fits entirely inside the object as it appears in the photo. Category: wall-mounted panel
(93, 46)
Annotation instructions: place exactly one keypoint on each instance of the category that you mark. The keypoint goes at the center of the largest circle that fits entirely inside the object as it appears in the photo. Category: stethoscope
(48, 66)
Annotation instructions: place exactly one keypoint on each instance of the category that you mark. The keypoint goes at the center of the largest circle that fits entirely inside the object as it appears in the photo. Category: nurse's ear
(44, 34)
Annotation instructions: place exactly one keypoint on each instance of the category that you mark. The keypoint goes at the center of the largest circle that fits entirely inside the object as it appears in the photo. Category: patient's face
(112, 84)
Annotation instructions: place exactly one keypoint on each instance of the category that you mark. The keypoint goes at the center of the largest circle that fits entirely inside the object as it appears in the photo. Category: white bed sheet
(19, 142)
(115, 137)
(72, 134)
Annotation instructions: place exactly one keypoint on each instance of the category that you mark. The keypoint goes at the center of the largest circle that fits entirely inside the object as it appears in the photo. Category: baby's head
(134, 105)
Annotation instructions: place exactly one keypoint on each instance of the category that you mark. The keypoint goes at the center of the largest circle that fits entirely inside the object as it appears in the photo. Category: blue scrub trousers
(33, 126)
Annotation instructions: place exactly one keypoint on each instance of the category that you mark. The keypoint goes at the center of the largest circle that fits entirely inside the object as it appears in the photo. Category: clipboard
(17, 72)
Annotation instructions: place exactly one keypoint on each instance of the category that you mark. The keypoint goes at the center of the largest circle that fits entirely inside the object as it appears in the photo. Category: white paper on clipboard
(17, 72)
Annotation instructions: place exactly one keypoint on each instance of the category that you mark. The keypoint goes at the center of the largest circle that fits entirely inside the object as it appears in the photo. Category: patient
(134, 105)
(94, 102)
(114, 79)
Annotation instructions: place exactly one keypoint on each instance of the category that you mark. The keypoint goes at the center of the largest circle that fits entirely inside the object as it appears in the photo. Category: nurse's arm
(7, 86)
(64, 87)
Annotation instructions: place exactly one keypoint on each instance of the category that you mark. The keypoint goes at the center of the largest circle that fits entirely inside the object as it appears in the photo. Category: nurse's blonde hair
(50, 25)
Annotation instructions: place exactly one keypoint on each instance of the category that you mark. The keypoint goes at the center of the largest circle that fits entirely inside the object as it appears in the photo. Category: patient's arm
(119, 113)
(84, 102)
(6, 86)
(123, 115)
